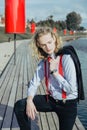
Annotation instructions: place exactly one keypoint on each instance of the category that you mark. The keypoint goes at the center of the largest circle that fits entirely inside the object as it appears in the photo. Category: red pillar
(54, 30)
(15, 16)
(71, 32)
(32, 28)
(64, 31)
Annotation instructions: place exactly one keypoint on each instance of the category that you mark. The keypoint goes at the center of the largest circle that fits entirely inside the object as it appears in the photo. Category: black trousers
(66, 112)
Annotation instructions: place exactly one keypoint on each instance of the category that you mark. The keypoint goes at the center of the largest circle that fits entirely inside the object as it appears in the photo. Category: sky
(41, 9)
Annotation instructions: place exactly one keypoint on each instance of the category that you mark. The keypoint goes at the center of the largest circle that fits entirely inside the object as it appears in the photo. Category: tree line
(72, 22)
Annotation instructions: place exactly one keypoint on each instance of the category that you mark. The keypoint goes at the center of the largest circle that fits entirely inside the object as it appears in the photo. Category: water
(81, 48)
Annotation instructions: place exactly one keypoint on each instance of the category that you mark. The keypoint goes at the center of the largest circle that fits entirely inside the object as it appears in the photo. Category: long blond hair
(42, 31)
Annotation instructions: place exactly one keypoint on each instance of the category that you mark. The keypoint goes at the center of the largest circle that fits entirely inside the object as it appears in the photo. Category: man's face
(47, 43)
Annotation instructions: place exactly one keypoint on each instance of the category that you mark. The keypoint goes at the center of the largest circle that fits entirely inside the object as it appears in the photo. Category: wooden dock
(13, 86)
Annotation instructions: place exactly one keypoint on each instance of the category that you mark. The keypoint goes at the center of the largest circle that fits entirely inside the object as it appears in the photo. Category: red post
(64, 31)
(32, 28)
(15, 16)
(71, 32)
(54, 30)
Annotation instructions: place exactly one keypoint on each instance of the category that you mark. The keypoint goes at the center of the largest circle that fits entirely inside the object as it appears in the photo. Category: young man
(61, 87)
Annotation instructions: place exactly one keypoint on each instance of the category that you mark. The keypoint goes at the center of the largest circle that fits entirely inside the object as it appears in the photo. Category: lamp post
(15, 19)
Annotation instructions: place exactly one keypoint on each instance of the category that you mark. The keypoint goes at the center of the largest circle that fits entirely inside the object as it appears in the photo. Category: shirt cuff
(31, 93)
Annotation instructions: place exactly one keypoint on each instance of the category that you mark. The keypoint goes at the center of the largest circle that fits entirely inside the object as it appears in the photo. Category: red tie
(49, 58)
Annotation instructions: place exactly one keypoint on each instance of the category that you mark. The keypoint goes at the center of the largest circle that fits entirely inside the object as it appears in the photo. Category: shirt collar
(52, 55)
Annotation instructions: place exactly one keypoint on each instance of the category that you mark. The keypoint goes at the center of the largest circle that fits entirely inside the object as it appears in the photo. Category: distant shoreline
(74, 37)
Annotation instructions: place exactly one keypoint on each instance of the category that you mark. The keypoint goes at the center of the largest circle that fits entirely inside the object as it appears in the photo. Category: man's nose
(47, 46)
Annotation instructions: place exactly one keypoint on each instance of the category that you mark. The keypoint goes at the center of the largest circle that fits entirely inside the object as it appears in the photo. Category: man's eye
(43, 45)
(49, 42)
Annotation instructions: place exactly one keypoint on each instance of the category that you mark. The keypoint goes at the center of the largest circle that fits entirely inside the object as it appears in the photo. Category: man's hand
(31, 109)
(54, 63)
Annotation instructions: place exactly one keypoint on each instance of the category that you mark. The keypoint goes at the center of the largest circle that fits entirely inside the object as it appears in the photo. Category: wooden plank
(6, 94)
(79, 125)
(5, 73)
(15, 129)
(56, 121)
(4, 79)
(13, 83)
(19, 92)
(50, 121)
(25, 78)
(44, 122)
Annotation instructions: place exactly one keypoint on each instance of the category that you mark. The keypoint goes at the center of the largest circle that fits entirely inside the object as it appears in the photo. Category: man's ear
(38, 44)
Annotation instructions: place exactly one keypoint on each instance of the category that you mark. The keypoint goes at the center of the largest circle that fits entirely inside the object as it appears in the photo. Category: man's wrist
(30, 98)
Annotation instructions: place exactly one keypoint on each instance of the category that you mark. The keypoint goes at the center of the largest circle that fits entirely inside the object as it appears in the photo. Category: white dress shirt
(68, 82)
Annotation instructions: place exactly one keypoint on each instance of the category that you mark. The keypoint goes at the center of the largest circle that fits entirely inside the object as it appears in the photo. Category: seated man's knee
(19, 106)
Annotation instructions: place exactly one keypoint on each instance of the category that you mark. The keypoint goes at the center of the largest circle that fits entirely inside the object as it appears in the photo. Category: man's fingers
(32, 113)
(36, 111)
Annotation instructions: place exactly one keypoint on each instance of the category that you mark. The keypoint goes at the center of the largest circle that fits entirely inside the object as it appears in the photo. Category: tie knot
(49, 58)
